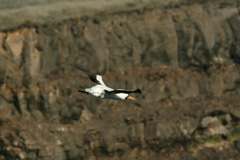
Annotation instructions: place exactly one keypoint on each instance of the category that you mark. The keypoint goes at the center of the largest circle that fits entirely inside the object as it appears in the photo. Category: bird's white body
(102, 91)
(98, 90)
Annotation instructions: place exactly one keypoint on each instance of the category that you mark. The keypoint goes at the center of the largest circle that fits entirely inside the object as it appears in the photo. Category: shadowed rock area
(184, 55)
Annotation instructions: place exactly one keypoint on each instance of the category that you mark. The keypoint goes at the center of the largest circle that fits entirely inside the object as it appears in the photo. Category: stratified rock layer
(184, 57)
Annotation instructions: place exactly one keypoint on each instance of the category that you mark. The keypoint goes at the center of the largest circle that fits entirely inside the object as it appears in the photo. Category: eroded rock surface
(184, 56)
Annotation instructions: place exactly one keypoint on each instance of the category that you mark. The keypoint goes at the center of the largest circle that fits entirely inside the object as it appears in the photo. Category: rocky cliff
(184, 55)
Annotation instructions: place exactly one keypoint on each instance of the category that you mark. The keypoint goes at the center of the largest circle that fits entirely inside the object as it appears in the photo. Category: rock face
(184, 56)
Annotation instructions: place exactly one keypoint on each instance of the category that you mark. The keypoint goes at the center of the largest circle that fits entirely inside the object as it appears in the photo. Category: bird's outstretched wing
(97, 79)
(124, 91)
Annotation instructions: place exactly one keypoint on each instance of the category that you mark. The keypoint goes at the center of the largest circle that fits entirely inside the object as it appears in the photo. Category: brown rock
(14, 41)
(183, 57)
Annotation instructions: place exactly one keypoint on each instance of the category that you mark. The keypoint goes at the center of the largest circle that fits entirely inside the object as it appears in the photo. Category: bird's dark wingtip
(92, 77)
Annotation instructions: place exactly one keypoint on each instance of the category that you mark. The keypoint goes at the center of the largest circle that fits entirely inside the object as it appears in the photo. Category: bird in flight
(101, 90)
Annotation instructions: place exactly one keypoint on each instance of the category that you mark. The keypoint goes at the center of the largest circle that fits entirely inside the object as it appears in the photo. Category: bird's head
(131, 98)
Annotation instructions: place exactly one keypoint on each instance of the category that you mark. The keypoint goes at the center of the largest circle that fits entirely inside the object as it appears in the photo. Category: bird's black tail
(82, 91)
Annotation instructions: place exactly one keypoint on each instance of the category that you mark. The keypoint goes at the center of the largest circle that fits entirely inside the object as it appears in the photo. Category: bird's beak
(131, 98)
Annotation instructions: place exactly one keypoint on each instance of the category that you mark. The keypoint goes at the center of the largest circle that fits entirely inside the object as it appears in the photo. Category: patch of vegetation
(235, 134)
(8, 4)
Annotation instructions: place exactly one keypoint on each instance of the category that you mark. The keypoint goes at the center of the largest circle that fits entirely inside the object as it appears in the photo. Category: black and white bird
(101, 90)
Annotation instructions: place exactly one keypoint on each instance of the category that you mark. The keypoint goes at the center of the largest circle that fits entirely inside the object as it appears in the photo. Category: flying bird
(101, 90)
